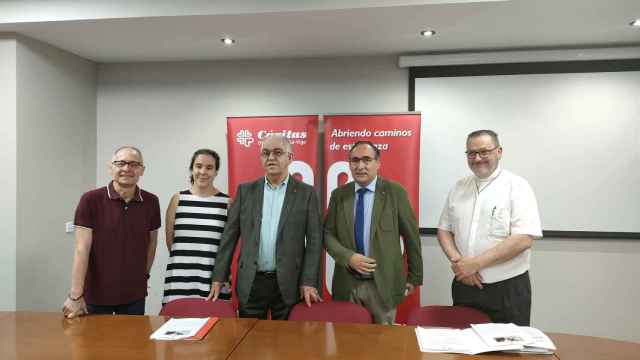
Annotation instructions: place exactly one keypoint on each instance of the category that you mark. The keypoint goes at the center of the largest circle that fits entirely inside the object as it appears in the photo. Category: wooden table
(25, 335)
(576, 347)
(293, 340)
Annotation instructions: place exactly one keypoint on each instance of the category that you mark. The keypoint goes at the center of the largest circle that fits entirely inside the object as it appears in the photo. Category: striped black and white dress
(199, 223)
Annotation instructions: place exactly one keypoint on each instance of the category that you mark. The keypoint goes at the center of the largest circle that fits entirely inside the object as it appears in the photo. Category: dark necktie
(359, 225)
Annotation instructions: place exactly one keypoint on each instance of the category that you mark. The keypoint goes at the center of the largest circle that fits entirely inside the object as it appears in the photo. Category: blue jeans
(133, 308)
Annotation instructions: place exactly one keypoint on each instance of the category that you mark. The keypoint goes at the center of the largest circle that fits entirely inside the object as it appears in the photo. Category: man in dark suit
(363, 227)
(273, 215)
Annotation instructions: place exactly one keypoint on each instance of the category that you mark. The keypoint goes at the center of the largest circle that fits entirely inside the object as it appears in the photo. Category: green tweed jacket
(392, 217)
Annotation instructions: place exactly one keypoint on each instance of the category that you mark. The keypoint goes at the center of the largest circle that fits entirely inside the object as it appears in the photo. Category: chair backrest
(459, 317)
(333, 311)
(197, 307)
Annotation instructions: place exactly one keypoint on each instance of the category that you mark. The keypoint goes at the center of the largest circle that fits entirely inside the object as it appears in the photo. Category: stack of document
(482, 338)
(184, 329)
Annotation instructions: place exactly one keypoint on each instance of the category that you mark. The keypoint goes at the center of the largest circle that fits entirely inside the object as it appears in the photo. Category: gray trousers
(365, 293)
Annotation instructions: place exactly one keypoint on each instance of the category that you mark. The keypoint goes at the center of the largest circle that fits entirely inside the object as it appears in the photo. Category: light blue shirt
(273, 199)
(369, 196)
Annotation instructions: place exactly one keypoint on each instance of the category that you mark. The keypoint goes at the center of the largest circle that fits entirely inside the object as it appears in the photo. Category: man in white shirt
(486, 229)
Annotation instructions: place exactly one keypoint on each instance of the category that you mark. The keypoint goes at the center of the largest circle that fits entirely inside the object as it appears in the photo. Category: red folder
(204, 330)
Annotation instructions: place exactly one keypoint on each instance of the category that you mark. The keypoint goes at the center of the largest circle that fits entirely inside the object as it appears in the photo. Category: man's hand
(473, 280)
(71, 308)
(465, 267)
(309, 294)
(215, 291)
(466, 271)
(409, 289)
(362, 264)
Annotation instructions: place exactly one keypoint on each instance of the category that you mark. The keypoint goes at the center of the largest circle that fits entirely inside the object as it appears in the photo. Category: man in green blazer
(273, 215)
(362, 231)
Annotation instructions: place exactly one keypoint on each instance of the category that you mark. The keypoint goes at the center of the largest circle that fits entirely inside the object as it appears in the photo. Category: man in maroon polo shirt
(116, 230)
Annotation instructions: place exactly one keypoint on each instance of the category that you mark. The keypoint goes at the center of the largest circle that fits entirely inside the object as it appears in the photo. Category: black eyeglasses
(265, 153)
(483, 153)
(354, 161)
(122, 163)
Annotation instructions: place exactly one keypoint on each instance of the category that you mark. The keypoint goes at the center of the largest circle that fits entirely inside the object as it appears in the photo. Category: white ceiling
(167, 30)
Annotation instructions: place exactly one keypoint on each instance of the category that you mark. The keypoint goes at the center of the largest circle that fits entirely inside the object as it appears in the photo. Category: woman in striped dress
(194, 223)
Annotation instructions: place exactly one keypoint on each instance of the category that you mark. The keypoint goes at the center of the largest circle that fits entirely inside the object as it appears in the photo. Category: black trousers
(132, 308)
(507, 301)
(264, 297)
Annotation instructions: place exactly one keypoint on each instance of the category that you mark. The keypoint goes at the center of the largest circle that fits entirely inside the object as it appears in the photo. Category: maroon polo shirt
(117, 270)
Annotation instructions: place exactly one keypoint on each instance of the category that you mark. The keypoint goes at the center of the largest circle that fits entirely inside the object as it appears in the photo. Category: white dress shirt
(483, 212)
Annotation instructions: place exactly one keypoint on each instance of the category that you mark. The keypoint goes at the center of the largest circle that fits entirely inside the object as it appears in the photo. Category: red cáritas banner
(244, 138)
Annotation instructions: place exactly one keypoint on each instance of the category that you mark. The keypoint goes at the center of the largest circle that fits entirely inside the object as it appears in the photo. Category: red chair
(332, 311)
(194, 307)
(458, 317)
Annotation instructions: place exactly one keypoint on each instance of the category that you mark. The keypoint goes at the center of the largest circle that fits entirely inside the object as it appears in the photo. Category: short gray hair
(132, 148)
(493, 134)
(283, 139)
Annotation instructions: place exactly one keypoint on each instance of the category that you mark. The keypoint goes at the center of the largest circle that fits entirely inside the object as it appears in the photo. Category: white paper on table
(440, 340)
(457, 341)
(541, 344)
(502, 336)
(177, 329)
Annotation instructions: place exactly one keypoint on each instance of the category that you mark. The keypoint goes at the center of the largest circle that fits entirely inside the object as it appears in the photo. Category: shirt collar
(113, 194)
(371, 187)
(279, 186)
(494, 175)
(482, 183)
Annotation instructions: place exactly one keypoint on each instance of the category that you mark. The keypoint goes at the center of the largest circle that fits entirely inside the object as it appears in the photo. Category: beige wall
(56, 136)
(8, 171)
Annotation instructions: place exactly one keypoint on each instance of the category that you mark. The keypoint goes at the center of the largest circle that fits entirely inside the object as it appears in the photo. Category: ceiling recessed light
(428, 33)
(635, 23)
(228, 41)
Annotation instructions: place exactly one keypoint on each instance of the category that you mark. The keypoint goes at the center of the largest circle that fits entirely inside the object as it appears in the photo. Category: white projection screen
(574, 136)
